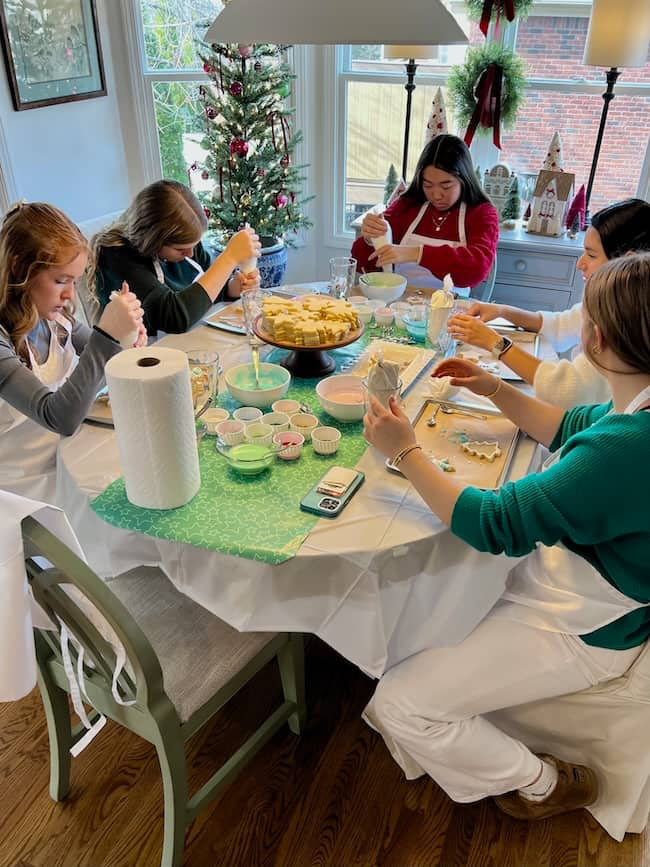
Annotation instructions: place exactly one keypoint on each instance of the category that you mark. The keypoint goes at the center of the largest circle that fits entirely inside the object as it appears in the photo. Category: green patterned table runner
(258, 517)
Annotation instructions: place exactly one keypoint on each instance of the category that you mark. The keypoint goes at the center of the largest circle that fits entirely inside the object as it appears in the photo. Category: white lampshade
(619, 33)
(404, 52)
(337, 22)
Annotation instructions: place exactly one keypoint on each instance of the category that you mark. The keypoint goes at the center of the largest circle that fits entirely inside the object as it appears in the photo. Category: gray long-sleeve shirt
(61, 411)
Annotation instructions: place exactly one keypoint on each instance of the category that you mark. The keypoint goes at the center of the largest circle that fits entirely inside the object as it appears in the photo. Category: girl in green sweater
(576, 607)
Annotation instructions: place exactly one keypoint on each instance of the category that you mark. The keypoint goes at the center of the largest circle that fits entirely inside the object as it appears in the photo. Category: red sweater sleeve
(468, 265)
(399, 216)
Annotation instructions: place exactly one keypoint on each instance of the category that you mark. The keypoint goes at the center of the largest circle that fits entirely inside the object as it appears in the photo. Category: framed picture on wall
(52, 51)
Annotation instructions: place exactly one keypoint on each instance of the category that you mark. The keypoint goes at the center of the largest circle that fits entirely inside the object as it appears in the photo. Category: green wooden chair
(183, 665)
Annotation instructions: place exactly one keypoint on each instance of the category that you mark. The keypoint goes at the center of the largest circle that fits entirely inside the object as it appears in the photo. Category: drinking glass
(251, 302)
(343, 272)
(383, 395)
(204, 378)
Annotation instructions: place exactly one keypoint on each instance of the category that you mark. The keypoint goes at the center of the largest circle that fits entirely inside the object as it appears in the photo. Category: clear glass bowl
(247, 459)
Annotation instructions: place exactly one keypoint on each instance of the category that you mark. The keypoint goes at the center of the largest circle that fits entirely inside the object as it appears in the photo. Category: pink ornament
(244, 50)
(207, 213)
(236, 88)
(281, 201)
(208, 68)
(261, 173)
(238, 147)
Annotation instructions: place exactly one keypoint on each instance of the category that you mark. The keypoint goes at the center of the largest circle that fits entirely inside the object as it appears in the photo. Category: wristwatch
(502, 345)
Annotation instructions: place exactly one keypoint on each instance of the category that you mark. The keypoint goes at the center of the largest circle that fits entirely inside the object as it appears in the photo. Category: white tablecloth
(382, 581)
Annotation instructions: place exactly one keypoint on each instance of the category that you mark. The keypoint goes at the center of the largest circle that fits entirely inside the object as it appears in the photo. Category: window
(562, 94)
(166, 35)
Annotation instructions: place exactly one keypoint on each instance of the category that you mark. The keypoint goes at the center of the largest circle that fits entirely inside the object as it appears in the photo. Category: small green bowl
(247, 459)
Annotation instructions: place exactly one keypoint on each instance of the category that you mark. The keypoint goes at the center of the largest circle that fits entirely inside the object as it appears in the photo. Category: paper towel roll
(151, 400)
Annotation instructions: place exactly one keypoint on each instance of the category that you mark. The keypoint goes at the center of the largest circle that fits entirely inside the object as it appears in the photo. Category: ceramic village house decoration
(550, 201)
(496, 183)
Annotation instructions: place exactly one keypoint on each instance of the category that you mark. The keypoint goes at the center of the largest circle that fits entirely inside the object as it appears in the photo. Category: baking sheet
(527, 340)
(100, 412)
(443, 442)
(411, 359)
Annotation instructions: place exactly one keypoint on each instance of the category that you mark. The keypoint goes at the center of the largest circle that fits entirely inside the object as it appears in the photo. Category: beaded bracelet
(399, 457)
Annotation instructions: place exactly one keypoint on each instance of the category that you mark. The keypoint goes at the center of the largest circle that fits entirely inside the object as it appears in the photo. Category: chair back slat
(78, 611)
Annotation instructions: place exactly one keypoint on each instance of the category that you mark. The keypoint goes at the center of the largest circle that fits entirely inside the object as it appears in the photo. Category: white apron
(417, 275)
(27, 449)
(557, 590)
(160, 274)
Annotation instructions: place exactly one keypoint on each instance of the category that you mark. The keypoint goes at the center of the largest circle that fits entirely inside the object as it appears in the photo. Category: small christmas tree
(249, 143)
(392, 180)
(575, 215)
(437, 123)
(512, 206)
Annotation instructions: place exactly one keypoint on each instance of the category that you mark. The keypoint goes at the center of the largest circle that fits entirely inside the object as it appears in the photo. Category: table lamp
(410, 53)
(618, 36)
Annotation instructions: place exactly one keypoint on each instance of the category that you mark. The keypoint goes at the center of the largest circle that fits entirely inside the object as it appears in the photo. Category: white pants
(430, 708)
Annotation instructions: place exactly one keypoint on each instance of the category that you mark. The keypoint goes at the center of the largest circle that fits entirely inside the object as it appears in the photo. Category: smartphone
(330, 504)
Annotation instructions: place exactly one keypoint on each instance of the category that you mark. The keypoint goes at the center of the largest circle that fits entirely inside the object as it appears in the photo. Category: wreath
(481, 10)
(487, 89)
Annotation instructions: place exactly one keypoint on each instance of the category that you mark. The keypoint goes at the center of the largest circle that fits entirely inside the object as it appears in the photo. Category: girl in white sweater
(618, 229)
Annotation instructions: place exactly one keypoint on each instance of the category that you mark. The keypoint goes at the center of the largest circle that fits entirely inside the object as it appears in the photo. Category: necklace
(438, 221)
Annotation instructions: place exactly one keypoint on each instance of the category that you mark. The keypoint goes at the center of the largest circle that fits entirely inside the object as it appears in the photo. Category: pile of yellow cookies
(313, 320)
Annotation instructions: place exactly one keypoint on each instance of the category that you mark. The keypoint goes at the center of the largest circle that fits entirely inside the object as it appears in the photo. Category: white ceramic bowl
(214, 416)
(303, 423)
(231, 431)
(342, 396)
(259, 433)
(247, 414)
(279, 421)
(291, 443)
(382, 286)
(287, 406)
(384, 316)
(274, 382)
(364, 312)
(325, 440)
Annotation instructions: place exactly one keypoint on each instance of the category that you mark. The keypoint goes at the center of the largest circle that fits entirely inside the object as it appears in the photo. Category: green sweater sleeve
(584, 499)
(577, 419)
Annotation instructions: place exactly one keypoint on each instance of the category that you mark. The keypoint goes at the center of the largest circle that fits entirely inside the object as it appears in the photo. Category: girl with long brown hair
(155, 246)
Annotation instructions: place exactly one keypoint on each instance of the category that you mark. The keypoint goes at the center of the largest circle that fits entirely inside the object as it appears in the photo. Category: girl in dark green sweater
(576, 607)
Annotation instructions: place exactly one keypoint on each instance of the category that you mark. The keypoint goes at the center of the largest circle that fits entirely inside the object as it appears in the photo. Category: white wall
(72, 154)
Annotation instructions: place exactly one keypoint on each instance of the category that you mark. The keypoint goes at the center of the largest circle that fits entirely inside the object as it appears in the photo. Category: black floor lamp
(410, 53)
(618, 36)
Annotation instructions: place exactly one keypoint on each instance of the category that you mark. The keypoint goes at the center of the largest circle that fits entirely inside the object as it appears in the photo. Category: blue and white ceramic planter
(272, 264)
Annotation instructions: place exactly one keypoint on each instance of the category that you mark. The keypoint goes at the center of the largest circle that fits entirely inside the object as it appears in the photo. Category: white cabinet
(537, 272)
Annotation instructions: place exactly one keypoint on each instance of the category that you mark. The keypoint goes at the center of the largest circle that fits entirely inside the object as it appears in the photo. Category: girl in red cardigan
(443, 224)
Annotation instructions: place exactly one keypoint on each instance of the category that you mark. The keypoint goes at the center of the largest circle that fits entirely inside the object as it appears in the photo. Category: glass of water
(343, 273)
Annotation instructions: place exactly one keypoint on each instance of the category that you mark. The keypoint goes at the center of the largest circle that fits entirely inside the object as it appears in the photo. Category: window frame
(143, 81)
(339, 73)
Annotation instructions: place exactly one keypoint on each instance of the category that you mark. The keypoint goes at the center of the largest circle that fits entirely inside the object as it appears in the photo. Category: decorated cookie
(485, 451)
(442, 463)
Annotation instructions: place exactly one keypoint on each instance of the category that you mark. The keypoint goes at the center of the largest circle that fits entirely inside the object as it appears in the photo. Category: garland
(487, 89)
(481, 10)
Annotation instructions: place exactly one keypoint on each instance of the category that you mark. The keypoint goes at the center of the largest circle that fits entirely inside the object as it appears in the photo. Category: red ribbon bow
(488, 104)
(508, 7)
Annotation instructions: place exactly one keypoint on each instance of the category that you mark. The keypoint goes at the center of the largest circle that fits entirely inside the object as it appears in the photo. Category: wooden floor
(330, 798)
